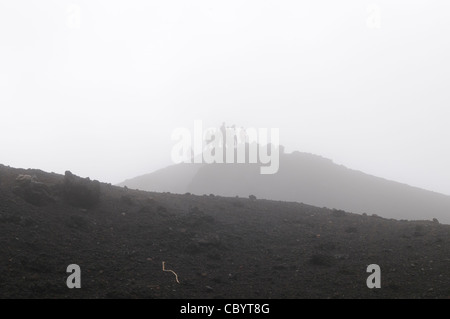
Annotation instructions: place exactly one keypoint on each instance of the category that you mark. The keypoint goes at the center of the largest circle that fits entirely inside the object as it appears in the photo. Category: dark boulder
(32, 191)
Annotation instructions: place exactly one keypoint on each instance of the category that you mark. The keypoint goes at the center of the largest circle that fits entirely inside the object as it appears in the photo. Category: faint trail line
(173, 272)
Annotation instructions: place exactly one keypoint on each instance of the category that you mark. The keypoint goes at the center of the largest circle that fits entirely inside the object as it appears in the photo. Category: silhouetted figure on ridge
(242, 135)
(223, 130)
(234, 136)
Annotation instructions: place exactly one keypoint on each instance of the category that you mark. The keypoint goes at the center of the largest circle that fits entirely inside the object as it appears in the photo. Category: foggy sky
(97, 87)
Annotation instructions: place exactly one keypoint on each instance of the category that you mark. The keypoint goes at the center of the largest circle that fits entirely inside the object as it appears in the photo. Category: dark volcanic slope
(304, 178)
(219, 247)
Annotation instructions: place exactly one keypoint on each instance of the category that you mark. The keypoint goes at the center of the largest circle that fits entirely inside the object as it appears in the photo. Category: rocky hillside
(219, 247)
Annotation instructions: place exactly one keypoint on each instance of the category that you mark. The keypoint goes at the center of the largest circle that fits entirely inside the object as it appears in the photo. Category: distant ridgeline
(302, 177)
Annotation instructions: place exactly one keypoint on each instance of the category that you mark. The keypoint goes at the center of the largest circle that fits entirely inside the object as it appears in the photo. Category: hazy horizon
(98, 87)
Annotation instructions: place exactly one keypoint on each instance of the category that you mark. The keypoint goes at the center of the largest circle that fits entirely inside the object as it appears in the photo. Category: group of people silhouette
(239, 135)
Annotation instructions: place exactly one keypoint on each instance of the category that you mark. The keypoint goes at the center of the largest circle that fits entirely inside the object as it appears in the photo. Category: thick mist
(98, 87)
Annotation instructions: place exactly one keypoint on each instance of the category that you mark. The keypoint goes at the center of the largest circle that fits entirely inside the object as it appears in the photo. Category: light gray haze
(98, 87)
